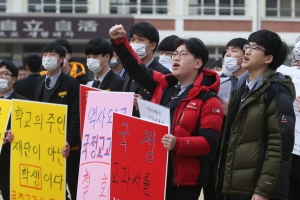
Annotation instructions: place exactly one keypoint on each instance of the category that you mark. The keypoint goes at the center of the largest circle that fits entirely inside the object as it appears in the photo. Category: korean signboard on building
(59, 27)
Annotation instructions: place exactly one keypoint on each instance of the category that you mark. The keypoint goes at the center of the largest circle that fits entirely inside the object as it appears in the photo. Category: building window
(2, 5)
(283, 8)
(58, 6)
(217, 7)
(139, 7)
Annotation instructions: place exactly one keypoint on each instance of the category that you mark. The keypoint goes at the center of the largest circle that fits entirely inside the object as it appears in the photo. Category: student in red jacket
(196, 112)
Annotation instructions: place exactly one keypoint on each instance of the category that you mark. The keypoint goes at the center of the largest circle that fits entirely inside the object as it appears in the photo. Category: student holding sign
(57, 87)
(196, 112)
(8, 76)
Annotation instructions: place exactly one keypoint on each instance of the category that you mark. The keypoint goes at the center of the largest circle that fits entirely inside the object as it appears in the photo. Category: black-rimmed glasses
(252, 47)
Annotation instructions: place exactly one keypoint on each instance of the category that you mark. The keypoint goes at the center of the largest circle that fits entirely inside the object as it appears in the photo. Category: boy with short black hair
(47, 90)
(166, 47)
(99, 53)
(143, 38)
(8, 76)
(26, 86)
(259, 132)
(73, 69)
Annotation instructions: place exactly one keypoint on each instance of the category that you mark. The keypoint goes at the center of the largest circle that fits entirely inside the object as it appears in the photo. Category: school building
(27, 25)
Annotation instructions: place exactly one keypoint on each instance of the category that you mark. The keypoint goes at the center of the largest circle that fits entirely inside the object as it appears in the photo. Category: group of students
(236, 150)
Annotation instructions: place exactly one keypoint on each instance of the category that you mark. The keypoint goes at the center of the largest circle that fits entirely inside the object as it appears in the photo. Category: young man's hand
(66, 150)
(116, 32)
(258, 197)
(225, 106)
(169, 141)
(9, 137)
(135, 103)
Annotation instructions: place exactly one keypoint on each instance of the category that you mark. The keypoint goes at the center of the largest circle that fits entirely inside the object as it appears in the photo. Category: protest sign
(294, 73)
(82, 104)
(225, 89)
(37, 164)
(154, 112)
(5, 108)
(139, 160)
(94, 173)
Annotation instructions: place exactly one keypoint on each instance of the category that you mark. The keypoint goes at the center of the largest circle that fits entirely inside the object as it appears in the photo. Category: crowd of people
(236, 150)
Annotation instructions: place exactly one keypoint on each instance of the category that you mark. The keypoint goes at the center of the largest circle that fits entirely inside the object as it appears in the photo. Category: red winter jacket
(194, 145)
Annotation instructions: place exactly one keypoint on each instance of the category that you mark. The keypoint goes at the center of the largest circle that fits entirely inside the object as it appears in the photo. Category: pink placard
(82, 104)
(94, 173)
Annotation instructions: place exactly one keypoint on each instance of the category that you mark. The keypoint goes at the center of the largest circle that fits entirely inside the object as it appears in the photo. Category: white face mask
(64, 63)
(3, 85)
(296, 51)
(164, 59)
(140, 49)
(230, 64)
(113, 62)
(50, 64)
(94, 65)
(225, 71)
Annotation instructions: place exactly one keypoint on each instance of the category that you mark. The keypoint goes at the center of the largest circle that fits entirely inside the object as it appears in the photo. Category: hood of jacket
(76, 70)
(285, 81)
(207, 80)
(269, 77)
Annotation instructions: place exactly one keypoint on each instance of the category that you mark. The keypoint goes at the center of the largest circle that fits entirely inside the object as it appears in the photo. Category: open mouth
(245, 59)
(175, 65)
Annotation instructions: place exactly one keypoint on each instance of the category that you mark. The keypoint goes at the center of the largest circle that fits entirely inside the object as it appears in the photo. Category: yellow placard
(37, 165)
(5, 108)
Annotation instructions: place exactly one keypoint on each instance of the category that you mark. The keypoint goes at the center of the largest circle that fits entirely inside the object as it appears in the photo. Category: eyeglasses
(295, 63)
(4, 74)
(252, 47)
(182, 54)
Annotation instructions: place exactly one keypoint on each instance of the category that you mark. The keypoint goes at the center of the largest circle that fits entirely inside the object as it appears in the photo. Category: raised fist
(116, 32)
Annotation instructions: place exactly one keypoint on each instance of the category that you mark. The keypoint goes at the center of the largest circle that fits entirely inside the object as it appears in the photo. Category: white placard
(294, 73)
(225, 88)
(154, 112)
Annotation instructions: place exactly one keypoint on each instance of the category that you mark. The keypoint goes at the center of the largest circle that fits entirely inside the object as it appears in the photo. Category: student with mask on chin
(143, 38)
(166, 47)
(99, 53)
(233, 59)
(48, 89)
(8, 77)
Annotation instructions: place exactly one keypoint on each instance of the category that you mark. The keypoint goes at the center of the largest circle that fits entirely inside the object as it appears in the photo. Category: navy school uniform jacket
(111, 82)
(26, 86)
(131, 86)
(66, 92)
(5, 152)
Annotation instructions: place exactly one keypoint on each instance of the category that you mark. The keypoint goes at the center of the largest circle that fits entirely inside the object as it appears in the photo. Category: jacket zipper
(173, 157)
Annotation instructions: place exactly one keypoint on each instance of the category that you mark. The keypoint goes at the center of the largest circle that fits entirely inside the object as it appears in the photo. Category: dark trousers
(73, 162)
(182, 192)
(209, 190)
(5, 171)
(5, 183)
(294, 187)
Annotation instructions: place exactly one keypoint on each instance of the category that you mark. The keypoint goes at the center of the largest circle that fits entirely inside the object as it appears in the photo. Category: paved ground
(200, 198)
